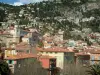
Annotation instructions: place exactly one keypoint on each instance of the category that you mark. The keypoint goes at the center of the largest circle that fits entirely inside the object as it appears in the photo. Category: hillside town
(20, 43)
(28, 33)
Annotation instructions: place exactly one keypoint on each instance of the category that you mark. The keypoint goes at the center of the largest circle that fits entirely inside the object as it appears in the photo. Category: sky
(19, 2)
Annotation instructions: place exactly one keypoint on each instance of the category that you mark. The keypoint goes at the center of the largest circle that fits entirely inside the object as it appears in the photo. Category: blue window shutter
(99, 59)
(92, 60)
(92, 57)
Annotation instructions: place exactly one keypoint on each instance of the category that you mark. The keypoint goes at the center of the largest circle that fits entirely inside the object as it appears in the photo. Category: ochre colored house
(95, 57)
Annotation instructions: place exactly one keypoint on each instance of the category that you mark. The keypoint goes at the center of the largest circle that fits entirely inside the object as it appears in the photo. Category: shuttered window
(92, 60)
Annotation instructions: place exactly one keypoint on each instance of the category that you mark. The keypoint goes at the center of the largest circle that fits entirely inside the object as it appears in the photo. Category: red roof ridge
(22, 56)
(54, 49)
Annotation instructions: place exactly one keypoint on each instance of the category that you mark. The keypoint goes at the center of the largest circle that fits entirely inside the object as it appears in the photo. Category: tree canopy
(4, 68)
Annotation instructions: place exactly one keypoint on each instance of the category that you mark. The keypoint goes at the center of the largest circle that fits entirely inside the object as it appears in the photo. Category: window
(92, 57)
(27, 51)
(20, 51)
(49, 42)
(51, 52)
(34, 39)
(10, 61)
(55, 52)
(27, 40)
(99, 59)
(52, 64)
(47, 52)
(92, 60)
(17, 30)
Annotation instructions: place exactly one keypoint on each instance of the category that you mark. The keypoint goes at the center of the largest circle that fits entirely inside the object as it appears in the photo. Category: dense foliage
(30, 67)
(4, 69)
(94, 69)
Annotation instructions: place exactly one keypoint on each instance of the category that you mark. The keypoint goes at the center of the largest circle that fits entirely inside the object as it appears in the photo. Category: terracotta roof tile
(81, 53)
(22, 46)
(95, 52)
(54, 49)
(21, 56)
(46, 57)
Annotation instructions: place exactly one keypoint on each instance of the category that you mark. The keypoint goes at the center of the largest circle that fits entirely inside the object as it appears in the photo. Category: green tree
(2, 15)
(30, 67)
(94, 69)
(40, 43)
(4, 68)
(84, 1)
(24, 22)
(74, 69)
